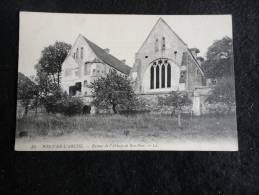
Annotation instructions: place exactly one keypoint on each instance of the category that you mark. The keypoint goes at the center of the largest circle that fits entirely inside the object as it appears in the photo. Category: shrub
(72, 106)
(178, 100)
(62, 103)
(223, 95)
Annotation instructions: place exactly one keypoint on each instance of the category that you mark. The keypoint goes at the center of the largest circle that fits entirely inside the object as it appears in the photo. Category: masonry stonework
(163, 63)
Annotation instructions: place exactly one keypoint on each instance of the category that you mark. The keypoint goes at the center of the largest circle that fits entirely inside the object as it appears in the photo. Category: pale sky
(122, 34)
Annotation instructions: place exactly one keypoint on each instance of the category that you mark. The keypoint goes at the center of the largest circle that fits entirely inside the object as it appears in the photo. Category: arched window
(157, 76)
(168, 75)
(77, 53)
(163, 43)
(163, 76)
(152, 77)
(82, 52)
(156, 45)
(160, 74)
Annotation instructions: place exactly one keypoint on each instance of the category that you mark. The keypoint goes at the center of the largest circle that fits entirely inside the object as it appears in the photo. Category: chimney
(107, 50)
(123, 61)
(195, 51)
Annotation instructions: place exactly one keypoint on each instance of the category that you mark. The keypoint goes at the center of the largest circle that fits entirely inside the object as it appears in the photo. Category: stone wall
(198, 106)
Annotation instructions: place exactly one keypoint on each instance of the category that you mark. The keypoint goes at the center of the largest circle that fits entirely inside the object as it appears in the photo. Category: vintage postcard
(125, 82)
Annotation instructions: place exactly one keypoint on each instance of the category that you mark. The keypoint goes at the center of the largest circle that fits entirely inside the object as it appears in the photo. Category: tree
(113, 90)
(219, 62)
(48, 70)
(51, 60)
(224, 93)
(26, 90)
(178, 100)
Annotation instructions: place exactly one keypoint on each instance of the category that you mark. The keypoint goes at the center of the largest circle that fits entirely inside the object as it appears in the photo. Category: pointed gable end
(161, 23)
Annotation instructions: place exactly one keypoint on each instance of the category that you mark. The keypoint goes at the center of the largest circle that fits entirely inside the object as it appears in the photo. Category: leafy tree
(219, 60)
(113, 90)
(48, 70)
(224, 93)
(26, 90)
(51, 60)
(178, 100)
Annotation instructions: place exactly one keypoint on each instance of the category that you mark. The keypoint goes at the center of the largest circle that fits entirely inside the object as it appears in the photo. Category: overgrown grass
(134, 126)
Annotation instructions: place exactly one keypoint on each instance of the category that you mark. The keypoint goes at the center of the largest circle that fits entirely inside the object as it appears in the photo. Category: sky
(122, 34)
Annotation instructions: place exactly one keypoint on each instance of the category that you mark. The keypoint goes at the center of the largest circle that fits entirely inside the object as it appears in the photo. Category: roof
(184, 60)
(108, 58)
(196, 62)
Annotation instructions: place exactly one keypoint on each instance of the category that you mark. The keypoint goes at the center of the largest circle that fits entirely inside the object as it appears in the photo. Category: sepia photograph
(104, 82)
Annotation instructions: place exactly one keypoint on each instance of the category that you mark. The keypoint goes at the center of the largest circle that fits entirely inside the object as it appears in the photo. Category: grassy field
(145, 128)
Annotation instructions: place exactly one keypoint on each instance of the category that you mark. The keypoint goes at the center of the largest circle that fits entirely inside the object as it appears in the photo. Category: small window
(146, 56)
(78, 86)
(98, 71)
(93, 70)
(85, 93)
(183, 77)
(77, 53)
(82, 52)
(175, 53)
(85, 83)
(163, 43)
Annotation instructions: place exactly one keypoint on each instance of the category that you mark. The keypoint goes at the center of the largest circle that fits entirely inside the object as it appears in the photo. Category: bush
(60, 102)
(223, 95)
(72, 106)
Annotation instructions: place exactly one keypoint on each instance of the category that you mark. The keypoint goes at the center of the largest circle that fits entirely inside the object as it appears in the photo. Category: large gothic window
(152, 77)
(160, 74)
(157, 76)
(168, 75)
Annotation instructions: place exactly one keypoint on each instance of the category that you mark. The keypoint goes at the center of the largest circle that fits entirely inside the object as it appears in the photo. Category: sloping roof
(108, 58)
(184, 60)
(196, 62)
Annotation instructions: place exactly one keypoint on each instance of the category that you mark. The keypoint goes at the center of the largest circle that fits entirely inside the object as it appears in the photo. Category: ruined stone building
(86, 62)
(163, 63)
